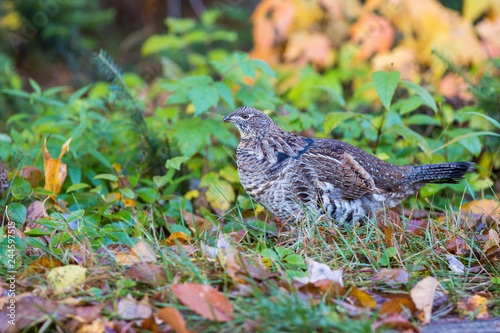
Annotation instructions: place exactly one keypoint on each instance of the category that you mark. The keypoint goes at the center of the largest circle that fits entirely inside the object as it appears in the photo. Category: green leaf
(333, 119)
(283, 251)
(17, 212)
(337, 97)
(410, 104)
(39, 190)
(263, 66)
(127, 192)
(75, 187)
(423, 93)
(423, 119)
(225, 93)
(385, 84)
(295, 260)
(36, 232)
(269, 254)
(21, 188)
(180, 25)
(176, 162)
(148, 194)
(107, 176)
(203, 97)
(78, 214)
(462, 137)
(159, 43)
(412, 137)
(191, 135)
(491, 120)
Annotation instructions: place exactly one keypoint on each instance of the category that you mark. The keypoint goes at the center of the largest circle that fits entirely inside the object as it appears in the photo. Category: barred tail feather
(449, 173)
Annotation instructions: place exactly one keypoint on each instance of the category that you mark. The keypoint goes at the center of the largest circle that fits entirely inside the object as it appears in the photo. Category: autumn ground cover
(120, 200)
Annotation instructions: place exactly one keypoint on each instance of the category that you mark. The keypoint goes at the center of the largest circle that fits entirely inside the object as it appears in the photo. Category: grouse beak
(227, 119)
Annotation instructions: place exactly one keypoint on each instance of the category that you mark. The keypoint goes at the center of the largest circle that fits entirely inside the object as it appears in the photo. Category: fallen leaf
(318, 271)
(397, 306)
(364, 299)
(174, 318)
(490, 207)
(493, 240)
(39, 266)
(205, 300)
(147, 272)
(391, 276)
(54, 169)
(128, 308)
(422, 296)
(33, 175)
(455, 265)
(175, 238)
(141, 252)
(64, 277)
(475, 304)
(195, 222)
(457, 245)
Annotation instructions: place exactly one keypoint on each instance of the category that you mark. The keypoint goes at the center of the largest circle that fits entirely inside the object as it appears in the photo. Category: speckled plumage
(289, 174)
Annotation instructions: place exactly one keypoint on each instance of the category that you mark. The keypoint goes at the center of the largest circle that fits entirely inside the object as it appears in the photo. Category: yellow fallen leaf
(54, 169)
(475, 304)
(64, 277)
(178, 236)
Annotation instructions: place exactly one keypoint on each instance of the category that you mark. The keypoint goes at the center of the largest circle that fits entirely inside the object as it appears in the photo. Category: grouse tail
(449, 173)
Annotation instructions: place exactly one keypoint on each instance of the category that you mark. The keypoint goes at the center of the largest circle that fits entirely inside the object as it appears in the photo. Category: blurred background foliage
(145, 116)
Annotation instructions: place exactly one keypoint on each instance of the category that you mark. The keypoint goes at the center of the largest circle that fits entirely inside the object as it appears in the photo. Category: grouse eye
(245, 116)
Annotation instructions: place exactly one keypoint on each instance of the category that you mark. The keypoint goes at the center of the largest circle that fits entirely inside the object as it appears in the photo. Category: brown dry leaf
(176, 238)
(205, 300)
(493, 240)
(397, 305)
(128, 308)
(318, 271)
(305, 47)
(457, 245)
(391, 276)
(473, 304)
(33, 175)
(195, 222)
(174, 318)
(54, 169)
(148, 273)
(489, 207)
(141, 252)
(373, 33)
(422, 296)
(238, 268)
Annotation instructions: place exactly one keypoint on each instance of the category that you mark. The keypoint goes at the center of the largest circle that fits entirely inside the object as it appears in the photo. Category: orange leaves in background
(54, 169)
(300, 32)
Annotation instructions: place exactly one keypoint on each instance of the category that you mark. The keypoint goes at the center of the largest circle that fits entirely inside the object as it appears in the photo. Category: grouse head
(250, 122)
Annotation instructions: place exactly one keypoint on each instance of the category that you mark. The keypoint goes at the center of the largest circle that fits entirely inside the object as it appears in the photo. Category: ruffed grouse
(289, 174)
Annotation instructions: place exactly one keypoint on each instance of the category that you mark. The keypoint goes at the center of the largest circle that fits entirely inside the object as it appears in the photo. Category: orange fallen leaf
(174, 318)
(490, 207)
(396, 306)
(176, 237)
(55, 170)
(475, 304)
(364, 299)
(205, 300)
(373, 33)
(422, 296)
